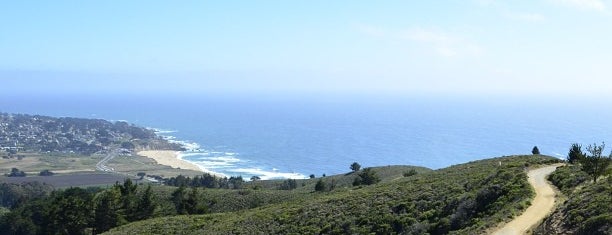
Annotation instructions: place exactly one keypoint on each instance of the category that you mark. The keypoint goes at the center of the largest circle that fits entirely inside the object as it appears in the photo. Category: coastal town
(80, 151)
(44, 134)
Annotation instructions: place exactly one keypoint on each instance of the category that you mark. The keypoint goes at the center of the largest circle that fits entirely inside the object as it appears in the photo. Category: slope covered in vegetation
(39, 210)
(588, 208)
(462, 199)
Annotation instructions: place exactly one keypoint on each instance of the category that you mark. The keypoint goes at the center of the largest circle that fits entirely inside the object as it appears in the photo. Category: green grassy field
(131, 165)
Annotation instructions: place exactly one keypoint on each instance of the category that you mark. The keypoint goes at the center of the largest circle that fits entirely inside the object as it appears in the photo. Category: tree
(575, 154)
(128, 198)
(355, 166)
(235, 182)
(128, 188)
(14, 223)
(209, 181)
(45, 173)
(320, 186)
(16, 173)
(366, 177)
(107, 210)
(141, 175)
(70, 211)
(535, 150)
(289, 184)
(13, 195)
(179, 180)
(146, 206)
(312, 176)
(594, 163)
(178, 198)
(193, 204)
(255, 178)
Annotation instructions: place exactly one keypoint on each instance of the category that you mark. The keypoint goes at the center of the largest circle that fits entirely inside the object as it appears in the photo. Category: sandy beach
(169, 158)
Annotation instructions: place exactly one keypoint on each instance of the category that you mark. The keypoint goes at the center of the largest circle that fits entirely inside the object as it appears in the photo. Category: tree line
(206, 181)
(12, 194)
(79, 211)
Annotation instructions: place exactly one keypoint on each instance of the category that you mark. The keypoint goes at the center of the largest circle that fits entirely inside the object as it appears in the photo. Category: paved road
(541, 206)
(101, 165)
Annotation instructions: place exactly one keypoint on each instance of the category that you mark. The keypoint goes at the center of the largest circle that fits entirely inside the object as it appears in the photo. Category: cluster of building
(21, 132)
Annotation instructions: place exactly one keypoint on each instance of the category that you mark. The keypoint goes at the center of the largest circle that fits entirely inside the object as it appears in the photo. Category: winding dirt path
(541, 205)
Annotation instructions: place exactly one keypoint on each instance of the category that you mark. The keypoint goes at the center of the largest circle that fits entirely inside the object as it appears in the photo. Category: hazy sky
(452, 46)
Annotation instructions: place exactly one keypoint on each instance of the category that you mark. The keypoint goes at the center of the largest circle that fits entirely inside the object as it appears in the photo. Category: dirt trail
(541, 205)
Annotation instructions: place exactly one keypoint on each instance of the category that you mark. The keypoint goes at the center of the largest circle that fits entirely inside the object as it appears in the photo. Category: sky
(519, 47)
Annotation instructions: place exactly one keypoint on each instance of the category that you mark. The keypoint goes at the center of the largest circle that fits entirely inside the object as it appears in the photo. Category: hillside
(129, 199)
(385, 173)
(587, 208)
(466, 198)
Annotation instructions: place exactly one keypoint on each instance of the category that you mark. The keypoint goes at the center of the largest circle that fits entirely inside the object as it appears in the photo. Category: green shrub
(462, 199)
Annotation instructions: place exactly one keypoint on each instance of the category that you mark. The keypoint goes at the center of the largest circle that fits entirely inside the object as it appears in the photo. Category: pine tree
(178, 198)
(575, 154)
(146, 206)
(355, 166)
(71, 211)
(129, 200)
(366, 177)
(107, 210)
(535, 150)
(193, 204)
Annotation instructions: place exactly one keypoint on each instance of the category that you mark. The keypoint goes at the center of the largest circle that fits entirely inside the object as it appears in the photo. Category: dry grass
(34, 163)
(131, 165)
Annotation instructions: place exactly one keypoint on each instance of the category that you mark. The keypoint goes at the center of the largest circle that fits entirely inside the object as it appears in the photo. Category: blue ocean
(295, 136)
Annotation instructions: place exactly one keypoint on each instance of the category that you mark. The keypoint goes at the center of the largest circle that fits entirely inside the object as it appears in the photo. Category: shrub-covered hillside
(462, 199)
(588, 209)
(384, 173)
(38, 209)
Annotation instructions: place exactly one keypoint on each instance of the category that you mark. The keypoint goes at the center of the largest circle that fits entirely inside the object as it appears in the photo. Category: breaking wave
(224, 163)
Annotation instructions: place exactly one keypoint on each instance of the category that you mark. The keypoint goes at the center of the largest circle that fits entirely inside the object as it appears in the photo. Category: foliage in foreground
(78, 211)
(462, 199)
(102, 209)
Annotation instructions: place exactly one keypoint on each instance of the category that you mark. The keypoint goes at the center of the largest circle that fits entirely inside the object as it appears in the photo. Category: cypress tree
(535, 150)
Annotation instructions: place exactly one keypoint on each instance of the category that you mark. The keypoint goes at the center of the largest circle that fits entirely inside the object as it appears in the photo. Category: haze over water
(288, 89)
(295, 136)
